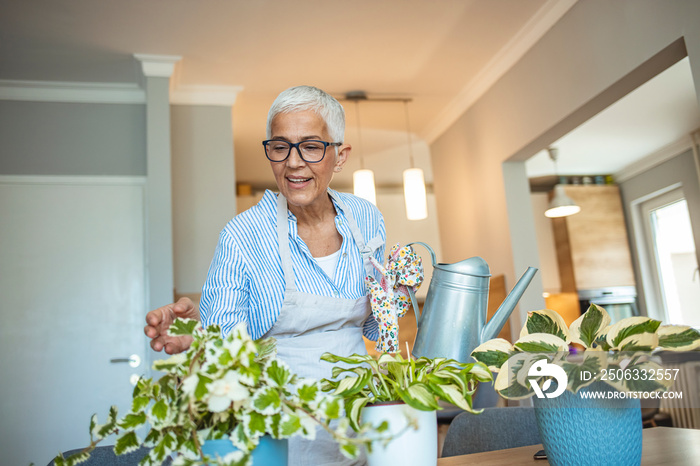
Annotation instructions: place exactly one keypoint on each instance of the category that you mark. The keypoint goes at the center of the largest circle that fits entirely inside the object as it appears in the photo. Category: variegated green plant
(420, 383)
(620, 355)
(232, 387)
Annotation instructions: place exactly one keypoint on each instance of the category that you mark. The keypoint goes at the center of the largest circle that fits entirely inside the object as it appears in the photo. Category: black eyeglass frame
(293, 145)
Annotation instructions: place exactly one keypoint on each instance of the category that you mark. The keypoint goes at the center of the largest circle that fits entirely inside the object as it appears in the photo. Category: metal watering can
(453, 321)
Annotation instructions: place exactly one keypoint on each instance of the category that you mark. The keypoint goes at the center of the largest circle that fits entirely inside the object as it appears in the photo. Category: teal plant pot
(269, 452)
(578, 432)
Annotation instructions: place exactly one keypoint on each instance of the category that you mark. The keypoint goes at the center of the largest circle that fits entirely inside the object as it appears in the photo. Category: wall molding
(112, 93)
(71, 92)
(157, 66)
(667, 152)
(509, 55)
(73, 180)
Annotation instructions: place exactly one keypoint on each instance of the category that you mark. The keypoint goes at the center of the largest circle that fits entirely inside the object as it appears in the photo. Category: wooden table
(661, 445)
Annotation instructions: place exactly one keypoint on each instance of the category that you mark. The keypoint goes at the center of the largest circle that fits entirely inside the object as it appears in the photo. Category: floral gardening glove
(389, 296)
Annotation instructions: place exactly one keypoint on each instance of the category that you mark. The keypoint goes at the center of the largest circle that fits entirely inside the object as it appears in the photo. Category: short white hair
(302, 98)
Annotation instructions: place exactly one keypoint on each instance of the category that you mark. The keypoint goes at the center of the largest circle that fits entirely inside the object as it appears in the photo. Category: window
(672, 260)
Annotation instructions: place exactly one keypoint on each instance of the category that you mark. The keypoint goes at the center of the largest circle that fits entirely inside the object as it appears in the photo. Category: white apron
(309, 325)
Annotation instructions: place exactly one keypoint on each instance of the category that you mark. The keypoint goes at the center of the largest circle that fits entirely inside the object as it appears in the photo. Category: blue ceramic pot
(269, 452)
(577, 431)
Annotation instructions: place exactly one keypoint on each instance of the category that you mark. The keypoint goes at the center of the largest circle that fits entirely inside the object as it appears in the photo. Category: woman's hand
(158, 321)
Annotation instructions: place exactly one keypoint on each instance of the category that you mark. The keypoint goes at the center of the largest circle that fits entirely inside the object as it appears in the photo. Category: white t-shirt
(329, 263)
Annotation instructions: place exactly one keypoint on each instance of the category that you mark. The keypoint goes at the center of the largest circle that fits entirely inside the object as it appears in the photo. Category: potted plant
(601, 368)
(404, 393)
(231, 391)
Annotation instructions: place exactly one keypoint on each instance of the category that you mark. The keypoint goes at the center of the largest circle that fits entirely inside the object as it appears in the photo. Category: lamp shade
(414, 194)
(363, 185)
(561, 205)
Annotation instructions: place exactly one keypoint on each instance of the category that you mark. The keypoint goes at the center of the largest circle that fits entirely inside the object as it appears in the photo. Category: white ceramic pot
(412, 447)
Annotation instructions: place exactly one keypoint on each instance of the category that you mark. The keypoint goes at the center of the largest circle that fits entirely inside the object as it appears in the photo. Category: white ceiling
(443, 55)
(656, 116)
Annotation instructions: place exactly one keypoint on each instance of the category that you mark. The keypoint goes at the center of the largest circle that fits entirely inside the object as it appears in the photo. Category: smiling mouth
(297, 180)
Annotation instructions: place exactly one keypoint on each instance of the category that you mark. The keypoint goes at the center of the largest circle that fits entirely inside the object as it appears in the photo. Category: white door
(73, 294)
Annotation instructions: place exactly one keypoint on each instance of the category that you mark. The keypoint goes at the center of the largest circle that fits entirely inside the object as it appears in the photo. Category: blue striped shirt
(246, 283)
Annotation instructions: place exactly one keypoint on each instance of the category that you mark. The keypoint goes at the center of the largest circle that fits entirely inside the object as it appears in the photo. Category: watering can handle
(432, 253)
(414, 302)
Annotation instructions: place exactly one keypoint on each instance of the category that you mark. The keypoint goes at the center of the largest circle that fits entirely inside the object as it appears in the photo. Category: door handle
(134, 360)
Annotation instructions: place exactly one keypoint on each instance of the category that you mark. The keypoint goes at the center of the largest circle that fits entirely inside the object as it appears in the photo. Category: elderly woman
(293, 266)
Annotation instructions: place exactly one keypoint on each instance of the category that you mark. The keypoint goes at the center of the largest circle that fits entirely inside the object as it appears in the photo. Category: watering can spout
(496, 323)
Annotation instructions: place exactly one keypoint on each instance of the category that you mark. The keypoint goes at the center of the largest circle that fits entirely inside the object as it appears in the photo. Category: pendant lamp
(413, 183)
(362, 179)
(561, 205)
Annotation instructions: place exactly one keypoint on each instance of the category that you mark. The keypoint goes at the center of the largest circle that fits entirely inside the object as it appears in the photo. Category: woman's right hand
(159, 320)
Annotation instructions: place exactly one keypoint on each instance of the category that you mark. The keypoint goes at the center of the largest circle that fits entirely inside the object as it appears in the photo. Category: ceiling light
(362, 179)
(561, 205)
(413, 183)
(363, 185)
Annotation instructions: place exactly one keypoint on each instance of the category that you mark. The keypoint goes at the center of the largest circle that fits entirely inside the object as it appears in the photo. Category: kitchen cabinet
(592, 247)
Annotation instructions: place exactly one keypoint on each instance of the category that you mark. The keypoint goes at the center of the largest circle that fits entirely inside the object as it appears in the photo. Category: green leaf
(164, 447)
(453, 394)
(350, 385)
(267, 401)
(102, 431)
(494, 353)
(678, 338)
(139, 403)
(446, 377)
(516, 392)
(584, 373)
(308, 392)
(639, 342)
(354, 360)
(587, 328)
(274, 423)
(545, 321)
(630, 326)
(278, 373)
(541, 343)
(183, 326)
(480, 371)
(131, 420)
(171, 364)
(76, 458)
(160, 410)
(201, 391)
(353, 409)
(290, 426)
(493, 359)
(349, 450)
(507, 385)
(126, 443)
(419, 396)
(256, 424)
(331, 408)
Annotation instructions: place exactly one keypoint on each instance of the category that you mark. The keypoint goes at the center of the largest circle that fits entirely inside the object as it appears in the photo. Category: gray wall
(51, 138)
(204, 197)
(679, 169)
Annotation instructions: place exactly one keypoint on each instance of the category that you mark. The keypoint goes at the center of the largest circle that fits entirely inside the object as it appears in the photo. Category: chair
(493, 429)
(105, 456)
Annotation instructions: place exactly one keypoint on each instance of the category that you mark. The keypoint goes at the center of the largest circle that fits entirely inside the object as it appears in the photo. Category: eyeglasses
(310, 151)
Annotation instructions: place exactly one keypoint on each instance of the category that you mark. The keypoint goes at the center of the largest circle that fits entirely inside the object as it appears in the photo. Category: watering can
(453, 321)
